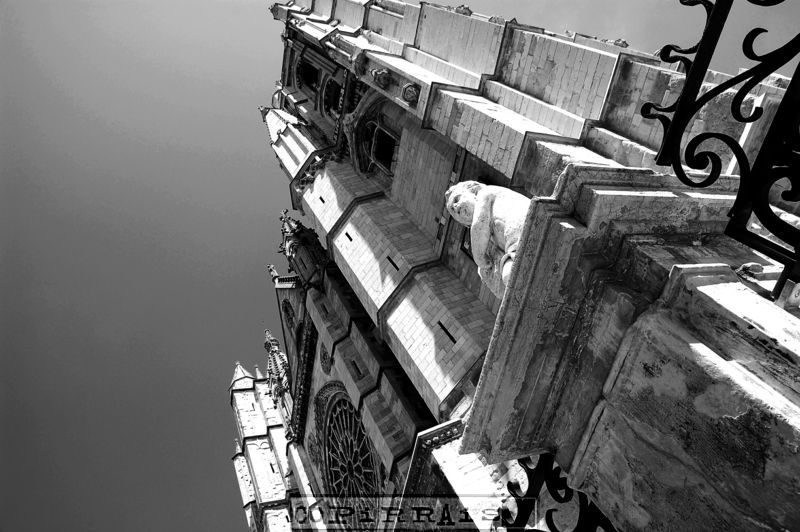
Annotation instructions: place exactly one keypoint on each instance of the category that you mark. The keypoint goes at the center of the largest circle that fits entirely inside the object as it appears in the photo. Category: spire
(270, 342)
(259, 375)
(240, 373)
(273, 272)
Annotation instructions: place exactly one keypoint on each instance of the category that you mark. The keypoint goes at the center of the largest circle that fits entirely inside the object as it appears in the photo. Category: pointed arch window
(307, 76)
(381, 146)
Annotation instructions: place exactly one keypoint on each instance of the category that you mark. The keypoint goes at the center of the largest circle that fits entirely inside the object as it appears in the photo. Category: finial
(273, 272)
(264, 112)
(270, 342)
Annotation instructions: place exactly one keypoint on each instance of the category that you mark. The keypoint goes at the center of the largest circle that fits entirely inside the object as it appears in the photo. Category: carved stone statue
(273, 272)
(495, 217)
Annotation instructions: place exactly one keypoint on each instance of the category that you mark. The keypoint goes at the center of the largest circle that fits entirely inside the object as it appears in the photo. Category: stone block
(690, 434)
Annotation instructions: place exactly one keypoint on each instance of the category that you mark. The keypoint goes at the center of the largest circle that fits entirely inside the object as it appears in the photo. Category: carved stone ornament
(273, 272)
(495, 217)
(288, 313)
(321, 402)
(382, 77)
(315, 450)
(325, 359)
(278, 390)
(411, 93)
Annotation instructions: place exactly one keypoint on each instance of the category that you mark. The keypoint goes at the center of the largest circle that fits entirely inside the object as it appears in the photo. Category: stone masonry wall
(469, 43)
(569, 75)
(376, 248)
(266, 473)
(334, 188)
(438, 331)
(349, 13)
(249, 418)
(423, 169)
(395, 20)
(486, 129)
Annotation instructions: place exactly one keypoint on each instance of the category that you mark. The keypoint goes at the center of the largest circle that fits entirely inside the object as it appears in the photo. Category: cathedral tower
(584, 365)
(260, 455)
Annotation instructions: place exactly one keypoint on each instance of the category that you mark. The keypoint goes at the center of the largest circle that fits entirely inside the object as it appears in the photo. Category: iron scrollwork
(779, 156)
(545, 473)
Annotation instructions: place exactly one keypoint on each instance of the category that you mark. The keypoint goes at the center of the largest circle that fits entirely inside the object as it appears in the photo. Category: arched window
(307, 76)
(352, 472)
(330, 99)
(380, 146)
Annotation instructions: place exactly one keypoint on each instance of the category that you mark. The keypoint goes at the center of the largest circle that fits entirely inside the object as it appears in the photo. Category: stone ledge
(690, 430)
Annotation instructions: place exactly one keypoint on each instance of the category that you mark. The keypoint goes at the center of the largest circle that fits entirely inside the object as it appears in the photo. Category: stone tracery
(349, 463)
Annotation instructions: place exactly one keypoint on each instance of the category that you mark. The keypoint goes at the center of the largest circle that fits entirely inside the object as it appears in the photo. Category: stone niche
(667, 388)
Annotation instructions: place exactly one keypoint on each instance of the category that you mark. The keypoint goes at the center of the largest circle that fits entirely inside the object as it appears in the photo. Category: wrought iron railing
(545, 474)
(779, 156)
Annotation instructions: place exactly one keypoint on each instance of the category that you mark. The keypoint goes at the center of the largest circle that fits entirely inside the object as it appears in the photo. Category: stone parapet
(595, 259)
(700, 419)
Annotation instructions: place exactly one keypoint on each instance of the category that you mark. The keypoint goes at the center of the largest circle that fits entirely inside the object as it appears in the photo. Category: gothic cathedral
(498, 310)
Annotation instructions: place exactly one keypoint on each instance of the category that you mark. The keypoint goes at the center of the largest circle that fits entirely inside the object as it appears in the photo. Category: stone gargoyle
(495, 217)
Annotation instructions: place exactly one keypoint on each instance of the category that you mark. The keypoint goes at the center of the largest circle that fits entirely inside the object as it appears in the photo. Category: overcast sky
(139, 210)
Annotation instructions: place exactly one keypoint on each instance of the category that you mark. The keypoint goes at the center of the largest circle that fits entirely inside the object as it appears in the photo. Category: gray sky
(139, 208)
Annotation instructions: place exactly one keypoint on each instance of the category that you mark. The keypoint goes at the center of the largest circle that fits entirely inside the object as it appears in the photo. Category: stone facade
(260, 462)
(633, 350)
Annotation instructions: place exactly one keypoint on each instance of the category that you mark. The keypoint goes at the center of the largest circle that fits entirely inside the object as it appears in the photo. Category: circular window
(350, 468)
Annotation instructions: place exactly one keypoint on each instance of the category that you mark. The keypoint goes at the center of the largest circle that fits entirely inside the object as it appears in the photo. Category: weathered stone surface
(688, 434)
(550, 285)
(495, 216)
(674, 409)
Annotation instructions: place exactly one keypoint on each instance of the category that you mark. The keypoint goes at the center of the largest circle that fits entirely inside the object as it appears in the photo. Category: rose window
(350, 469)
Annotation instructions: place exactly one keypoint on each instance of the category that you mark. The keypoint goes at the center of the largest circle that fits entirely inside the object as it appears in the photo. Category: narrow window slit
(321, 199)
(392, 263)
(452, 338)
(357, 370)
(350, 238)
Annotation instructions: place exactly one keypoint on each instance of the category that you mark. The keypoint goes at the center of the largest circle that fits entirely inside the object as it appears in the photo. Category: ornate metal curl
(546, 474)
(779, 157)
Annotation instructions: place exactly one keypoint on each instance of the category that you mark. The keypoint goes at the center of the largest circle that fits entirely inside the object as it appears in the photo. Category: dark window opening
(350, 238)
(322, 200)
(379, 147)
(356, 370)
(392, 263)
(307, 76)
(330, 99)
(272, 466)
(384, 150)
(452, 338)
